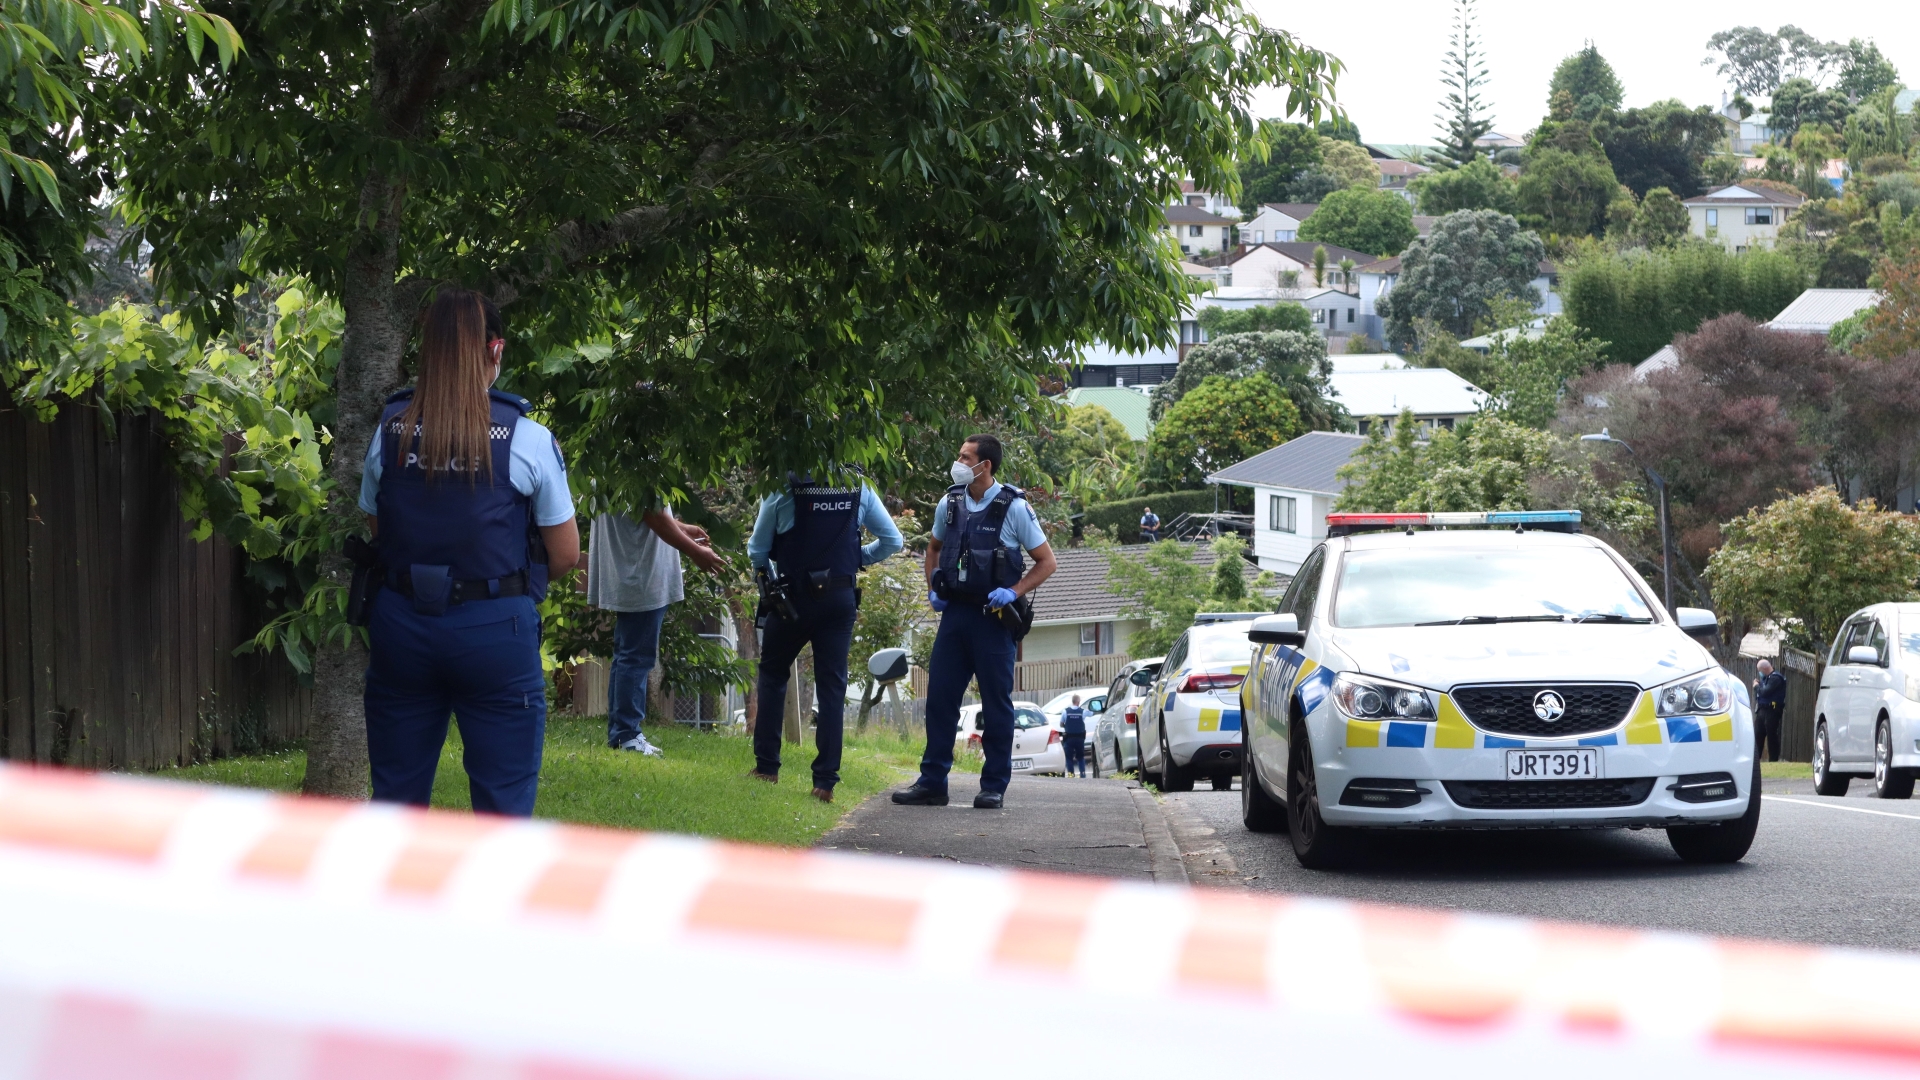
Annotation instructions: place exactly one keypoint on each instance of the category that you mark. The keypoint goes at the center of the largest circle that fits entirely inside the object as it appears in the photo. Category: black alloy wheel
(1825, 780)
(1318, 845)
(1172, 777)
(1722, 841)
(1888, 782)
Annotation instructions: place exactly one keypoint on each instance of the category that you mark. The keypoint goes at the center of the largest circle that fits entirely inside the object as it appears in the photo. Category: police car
(1489, 670)
(1190, 722)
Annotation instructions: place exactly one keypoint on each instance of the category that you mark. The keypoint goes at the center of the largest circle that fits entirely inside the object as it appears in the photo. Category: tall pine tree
(1465, 76)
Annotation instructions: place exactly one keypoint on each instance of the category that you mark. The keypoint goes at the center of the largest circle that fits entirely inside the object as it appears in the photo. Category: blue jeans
(827, 622)
(970, 644)
(636, 649)
(1076, 750)
(479, 662)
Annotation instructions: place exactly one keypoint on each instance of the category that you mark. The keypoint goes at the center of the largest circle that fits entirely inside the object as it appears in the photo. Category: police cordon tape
(159, 930)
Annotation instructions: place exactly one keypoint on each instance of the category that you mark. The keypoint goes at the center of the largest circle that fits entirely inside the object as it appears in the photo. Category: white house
(1289, 264)
(1293, 489)
(1438, 397)
(1211, 201)
(1741, 216)
(1198, 231)
(1276, 222)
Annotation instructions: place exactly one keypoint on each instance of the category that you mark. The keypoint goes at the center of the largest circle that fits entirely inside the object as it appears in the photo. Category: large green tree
(1663, 145)
(1477, 185)
(726, 232)
(1364, 219)
(1589, 83)
(1224, 420)
(1567, 194)
(1864, 70)
(1463, 113)
(1294, 360)
(1455, 274)
(1291, 149)
(1798, 102)
(1637, 301)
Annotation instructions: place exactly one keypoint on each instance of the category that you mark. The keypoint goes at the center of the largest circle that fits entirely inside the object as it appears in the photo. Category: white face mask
(961, 472)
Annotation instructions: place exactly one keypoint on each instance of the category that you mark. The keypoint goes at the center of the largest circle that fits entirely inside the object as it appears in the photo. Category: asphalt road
(1829, 871)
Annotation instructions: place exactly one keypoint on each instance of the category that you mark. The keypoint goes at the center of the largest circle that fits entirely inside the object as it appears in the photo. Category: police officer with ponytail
(806, 545)
(977, 580)
(471, 516)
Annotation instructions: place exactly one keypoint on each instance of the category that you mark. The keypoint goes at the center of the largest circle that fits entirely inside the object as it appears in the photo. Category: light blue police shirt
(1020, 529)
(535, 471)
(776, 516)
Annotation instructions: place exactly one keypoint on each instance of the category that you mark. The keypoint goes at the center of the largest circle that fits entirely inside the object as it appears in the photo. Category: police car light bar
(1547, 520)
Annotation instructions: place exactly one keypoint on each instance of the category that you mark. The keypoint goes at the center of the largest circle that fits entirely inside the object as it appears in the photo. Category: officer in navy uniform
(466, 549)
(810, 534)
(975, 571)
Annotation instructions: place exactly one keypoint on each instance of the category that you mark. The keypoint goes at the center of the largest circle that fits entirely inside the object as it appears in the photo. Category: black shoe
(920, 796)
(988, 800)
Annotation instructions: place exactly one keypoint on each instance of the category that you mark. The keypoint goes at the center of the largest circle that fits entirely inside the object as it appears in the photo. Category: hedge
(1122, 519)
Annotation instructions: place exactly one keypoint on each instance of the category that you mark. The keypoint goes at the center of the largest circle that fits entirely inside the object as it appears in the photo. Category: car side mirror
(1864, 654)
(888, 665)
(1698, 623)
(1143, 677)
(1282, 629)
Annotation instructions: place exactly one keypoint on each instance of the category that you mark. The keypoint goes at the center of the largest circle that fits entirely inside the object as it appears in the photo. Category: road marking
(1836, 806)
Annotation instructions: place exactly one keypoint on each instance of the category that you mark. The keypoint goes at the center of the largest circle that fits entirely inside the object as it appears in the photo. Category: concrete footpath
(1109, 827)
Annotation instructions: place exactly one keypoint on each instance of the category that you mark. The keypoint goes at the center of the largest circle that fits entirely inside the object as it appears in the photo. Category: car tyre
(1723, 841)
(1172, 777)
(1095, 760)
(1259, 811)
(1318, 845)
(1825, 780)
(1888, 782)
(1222, 781)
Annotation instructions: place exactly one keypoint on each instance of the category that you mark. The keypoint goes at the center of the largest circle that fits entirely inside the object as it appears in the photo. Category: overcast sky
(1393, 50)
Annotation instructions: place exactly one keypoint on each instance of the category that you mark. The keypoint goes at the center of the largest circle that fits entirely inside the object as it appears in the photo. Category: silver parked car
(1116, 732)
(1867, 716)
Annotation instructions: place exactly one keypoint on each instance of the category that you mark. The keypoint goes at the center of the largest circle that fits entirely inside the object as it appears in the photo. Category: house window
(1196, 200)
(1280, 513)
(1447, 422)
(1349, 316)
(1713, 219)
(1283, 236)
(1366, 426)
(1196, 230)
(1259, 236)
(1320, 315)
(1759, 215)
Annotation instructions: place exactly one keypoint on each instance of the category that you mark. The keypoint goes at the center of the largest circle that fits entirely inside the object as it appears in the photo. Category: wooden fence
(1802, 670)
(117, 629)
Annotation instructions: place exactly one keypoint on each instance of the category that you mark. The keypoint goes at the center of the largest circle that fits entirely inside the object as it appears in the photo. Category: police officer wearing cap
(975, 574)
(471, 513)
(806, 540)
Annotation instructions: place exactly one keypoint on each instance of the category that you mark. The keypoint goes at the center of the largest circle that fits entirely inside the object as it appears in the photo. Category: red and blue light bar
(1551, 520)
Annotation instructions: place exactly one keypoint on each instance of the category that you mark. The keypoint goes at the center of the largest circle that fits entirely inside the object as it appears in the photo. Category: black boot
(919, 795)
(988, 800)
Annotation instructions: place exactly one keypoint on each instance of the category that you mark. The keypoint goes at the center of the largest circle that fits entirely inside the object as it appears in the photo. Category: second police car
(1489, 670)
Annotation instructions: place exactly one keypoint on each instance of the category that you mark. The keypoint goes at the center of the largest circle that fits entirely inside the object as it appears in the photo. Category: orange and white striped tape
(155, 930)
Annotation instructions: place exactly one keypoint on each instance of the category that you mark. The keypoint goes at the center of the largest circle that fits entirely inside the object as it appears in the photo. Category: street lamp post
(1660, 485)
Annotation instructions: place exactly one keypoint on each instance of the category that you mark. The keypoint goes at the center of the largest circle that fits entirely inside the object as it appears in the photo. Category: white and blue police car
(1488, 670)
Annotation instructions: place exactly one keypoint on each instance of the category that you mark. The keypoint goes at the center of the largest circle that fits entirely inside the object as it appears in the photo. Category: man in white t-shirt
(633, 570)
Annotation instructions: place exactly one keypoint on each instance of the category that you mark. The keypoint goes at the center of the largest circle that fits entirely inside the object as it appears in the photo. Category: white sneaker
(640, 743)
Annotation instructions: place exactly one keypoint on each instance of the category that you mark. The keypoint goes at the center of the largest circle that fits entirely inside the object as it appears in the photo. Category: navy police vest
(480, 531)
(825, 538)
(973, 560)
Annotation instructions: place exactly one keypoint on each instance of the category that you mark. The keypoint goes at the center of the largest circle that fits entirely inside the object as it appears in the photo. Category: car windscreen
(1443, 586)
(1220, 647)
(1028, 718)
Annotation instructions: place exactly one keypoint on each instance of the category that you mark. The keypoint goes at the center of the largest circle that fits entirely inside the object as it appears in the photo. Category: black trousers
(826, 621)
(1766, 724)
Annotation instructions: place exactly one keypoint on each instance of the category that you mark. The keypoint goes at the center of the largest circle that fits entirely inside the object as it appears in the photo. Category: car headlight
(1707, 692)
(1366, 698)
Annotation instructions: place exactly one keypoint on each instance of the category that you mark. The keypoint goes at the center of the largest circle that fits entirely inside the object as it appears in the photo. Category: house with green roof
(1129, 406)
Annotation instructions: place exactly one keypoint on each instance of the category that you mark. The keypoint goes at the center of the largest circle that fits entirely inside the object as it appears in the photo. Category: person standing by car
(975, 579)
(1769, 709)
(633, 570)
(806, 541)
(1073, 737)
(1149, 526)
(467, 499)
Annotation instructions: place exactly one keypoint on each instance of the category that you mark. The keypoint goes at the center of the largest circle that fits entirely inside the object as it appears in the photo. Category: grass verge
(699, 785)
(1786, 770)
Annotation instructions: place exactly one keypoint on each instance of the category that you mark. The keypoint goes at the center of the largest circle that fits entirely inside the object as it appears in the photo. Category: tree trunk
(376, 332)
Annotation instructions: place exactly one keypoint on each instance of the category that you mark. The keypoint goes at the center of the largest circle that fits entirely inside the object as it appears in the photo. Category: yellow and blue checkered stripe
(1452, 732)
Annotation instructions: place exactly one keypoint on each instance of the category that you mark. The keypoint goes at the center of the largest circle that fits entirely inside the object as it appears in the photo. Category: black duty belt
(514, 584)
(823, 583)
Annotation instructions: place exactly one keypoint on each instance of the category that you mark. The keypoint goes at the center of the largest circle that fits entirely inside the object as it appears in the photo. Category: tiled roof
(1077, 591)
(1301, 251)
(1380, 266)
(1737, 195)
(1193, 215)
(1307, 463)
(1298, 211)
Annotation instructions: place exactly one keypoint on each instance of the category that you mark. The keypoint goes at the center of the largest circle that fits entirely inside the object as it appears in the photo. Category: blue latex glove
(933, 598)
(1000, 598)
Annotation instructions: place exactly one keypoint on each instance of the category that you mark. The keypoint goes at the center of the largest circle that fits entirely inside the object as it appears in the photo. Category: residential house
(1074, 613)
(1815, 311)
(1289, 265)
(1276, 222)
(1375, 279)
(1103, 365)
(1423, 223)
(1493, 142)
(1198, 231)
(1741, 216)
(1438, 397)
(1211, 201)
(1127, 404)
(1398, 152)
(1349, 362)
(1395, 174)
(1210, 275)
(1294, 485)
